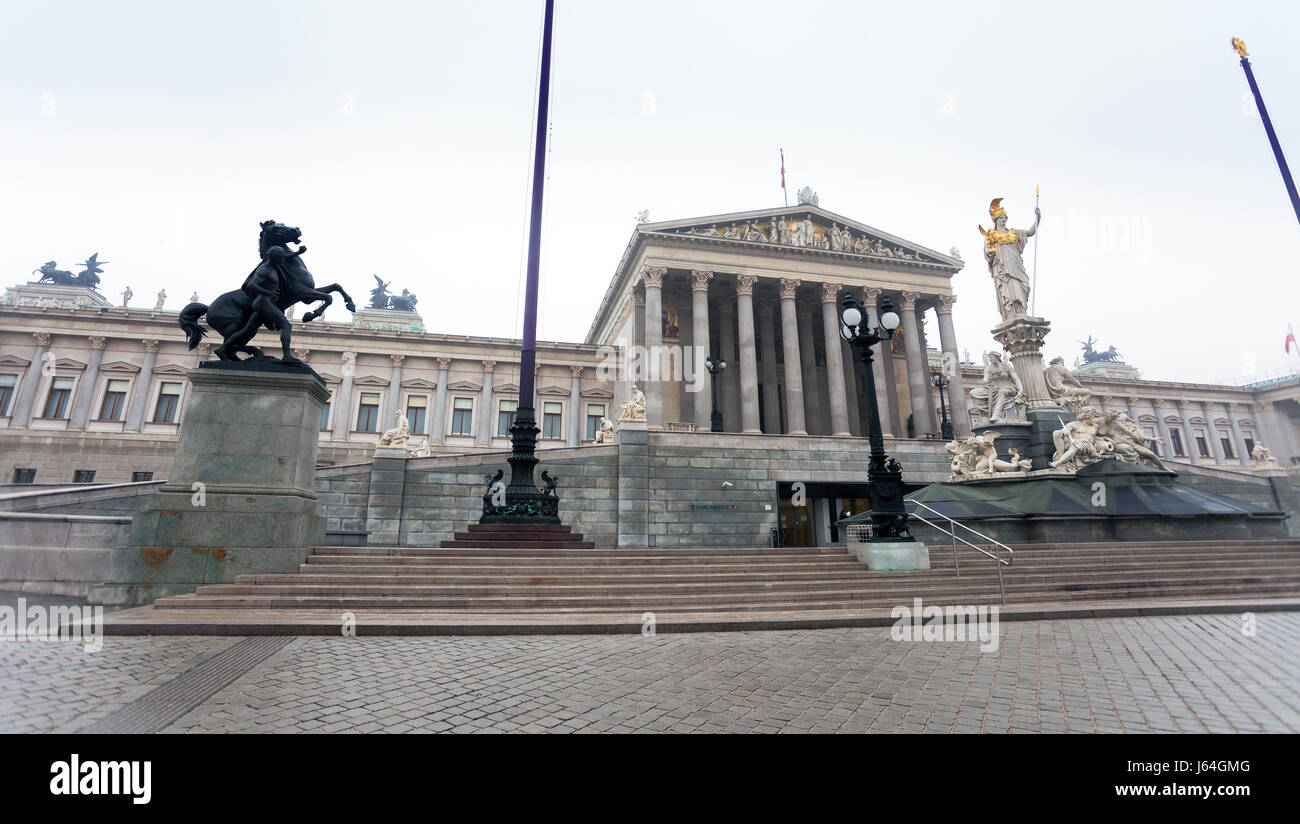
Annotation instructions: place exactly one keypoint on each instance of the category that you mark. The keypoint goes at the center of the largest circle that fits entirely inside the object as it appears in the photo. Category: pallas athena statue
(1003, 250)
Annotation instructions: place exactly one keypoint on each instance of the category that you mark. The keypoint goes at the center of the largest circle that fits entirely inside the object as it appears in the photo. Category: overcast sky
(397, 136)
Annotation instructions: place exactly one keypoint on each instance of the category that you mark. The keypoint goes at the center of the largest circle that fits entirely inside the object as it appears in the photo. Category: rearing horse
(279, 281)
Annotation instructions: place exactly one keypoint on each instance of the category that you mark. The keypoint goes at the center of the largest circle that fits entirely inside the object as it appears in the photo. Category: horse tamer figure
(278, 282)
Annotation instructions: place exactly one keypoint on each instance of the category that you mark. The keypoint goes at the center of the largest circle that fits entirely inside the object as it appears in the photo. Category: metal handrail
(996, 555)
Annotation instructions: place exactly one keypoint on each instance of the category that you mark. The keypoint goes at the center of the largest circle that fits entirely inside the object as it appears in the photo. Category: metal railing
(996, 546)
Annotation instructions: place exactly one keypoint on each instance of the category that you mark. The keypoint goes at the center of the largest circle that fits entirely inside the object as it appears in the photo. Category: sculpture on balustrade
(1064, 387)
(634, 408)
(398, 435)
(1263, 458)
(976, 456)
(1095, 436)
(1000, 397)
(605, 434)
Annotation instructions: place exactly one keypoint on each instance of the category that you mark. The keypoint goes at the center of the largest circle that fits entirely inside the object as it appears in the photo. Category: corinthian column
(808, 364)
(700, 341)
(729, 391)
(952, 367)
(748, 359)
(135, 410)
(86, 389)
(771, 398)
(834, 360)
(488, 421)
(439, 432)
(394, 393)
(918, 384)
(653, 277)
(793, 369)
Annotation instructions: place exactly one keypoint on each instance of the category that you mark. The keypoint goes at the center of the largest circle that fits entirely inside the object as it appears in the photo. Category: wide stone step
(505, 543)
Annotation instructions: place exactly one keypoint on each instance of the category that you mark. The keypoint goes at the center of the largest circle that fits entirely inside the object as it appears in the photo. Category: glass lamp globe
(852, 316)
(889, 320)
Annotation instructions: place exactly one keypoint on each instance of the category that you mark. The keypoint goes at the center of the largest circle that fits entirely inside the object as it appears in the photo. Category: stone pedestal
(387, 489)
(893, 556)
(54, 296)
(1023, 340)
(239, 497)
(633, 439)
(387, 320)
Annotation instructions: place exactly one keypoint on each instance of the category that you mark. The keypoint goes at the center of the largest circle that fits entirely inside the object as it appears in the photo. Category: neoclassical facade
(94, 393)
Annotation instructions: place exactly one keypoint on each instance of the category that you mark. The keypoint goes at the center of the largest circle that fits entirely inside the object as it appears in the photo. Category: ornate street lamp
(714, 366)
(884, 475)
(945, 425)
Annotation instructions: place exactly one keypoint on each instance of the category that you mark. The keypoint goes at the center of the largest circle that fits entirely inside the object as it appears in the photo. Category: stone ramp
(531, 589)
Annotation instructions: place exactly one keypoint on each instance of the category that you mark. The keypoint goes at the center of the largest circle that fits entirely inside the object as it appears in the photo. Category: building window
(1150, 432)
(141, 477)
(169, 400)
(552, 421)
(83, 476)
(368, 412)
(1202, 445)
(24, 476)
(56, 403)
(506, 417)
(114, 403)
(1226, 440)
(462, 416)
(7, 384)
(325, 413)
(1250, 443)
(1176, 443)
(595, 411)
(415, 406)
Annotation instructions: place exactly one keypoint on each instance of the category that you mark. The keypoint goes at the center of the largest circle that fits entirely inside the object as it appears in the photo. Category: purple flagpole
(528, 359)
(1268, 127)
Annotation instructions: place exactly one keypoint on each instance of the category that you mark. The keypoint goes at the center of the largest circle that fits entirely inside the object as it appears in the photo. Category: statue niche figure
(279, 281)
(1003, 250)
(1000, 398)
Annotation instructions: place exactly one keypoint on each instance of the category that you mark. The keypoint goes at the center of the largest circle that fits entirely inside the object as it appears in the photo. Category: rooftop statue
(1091, 355)
(279, 280)
(88, 276)
(381, 298)
(1003, 250)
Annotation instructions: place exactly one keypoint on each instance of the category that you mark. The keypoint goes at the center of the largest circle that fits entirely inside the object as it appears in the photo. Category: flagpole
(785, 193)
(1033, 291)
(1268, 127)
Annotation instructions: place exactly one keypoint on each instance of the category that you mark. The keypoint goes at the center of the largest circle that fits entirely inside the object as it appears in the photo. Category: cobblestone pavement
(1161, 674)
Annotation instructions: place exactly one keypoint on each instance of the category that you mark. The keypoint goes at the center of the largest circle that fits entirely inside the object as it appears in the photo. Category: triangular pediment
(170, 369)
(418, 383)
(804, 228)
(554, 391)
(328, 378)
(506, 388)
(13, 360)
(597, 393)
(370, 380)
(119, 366)
(464, 386)
(68, 363)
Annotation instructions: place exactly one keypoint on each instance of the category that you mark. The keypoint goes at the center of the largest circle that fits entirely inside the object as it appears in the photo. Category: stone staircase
(511, 536)
(484, 575)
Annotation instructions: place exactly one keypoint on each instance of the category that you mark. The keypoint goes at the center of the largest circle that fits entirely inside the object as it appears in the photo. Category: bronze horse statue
(279, 281)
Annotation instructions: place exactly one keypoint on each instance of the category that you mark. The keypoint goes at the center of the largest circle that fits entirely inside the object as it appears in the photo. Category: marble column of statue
(341, 405)
(835, 360)
(748, 356)
(1212, 433)
(393, 400)
(22, 411)
(700, 345)
(794, 406)
(135, 410)
(771, 407)
(575, 407)
(1189, 441)
(956, 389)
(653, 278)
(729, 389)
(487, 422)
(1238, 440)
(438, 432)
(918, 381)
(879, 354)
(808, 366)
(86, 387)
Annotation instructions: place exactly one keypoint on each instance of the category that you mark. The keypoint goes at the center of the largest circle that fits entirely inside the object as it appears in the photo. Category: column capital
(1232, 406)
(788, 288)
(830, 292)
(205, 348)
(745, 284)
(1264, 406)
(700, 280)
(944, 304)
(97, 342)
(653, 275)
(489, 365)
(1184, 404)
(150, 345)
(443, 363)
(871, 294)
(575, 371)
(301, 354)
(42, 338)
(397, 359)
(908, 300)
(1155, 402)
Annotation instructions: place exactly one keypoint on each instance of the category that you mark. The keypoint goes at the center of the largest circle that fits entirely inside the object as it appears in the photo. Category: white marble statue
(126, 294)
(1094, 436)
(605, 434)
(194, 298)
(862, 245)
(398, 435)
(753, 233)
(1003, 250)
(1263, 458)
(1001, 397)
(807, 195)
(162, 298)
(634, 408)
(976, 456)
(1064, 387)
(421, 451)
